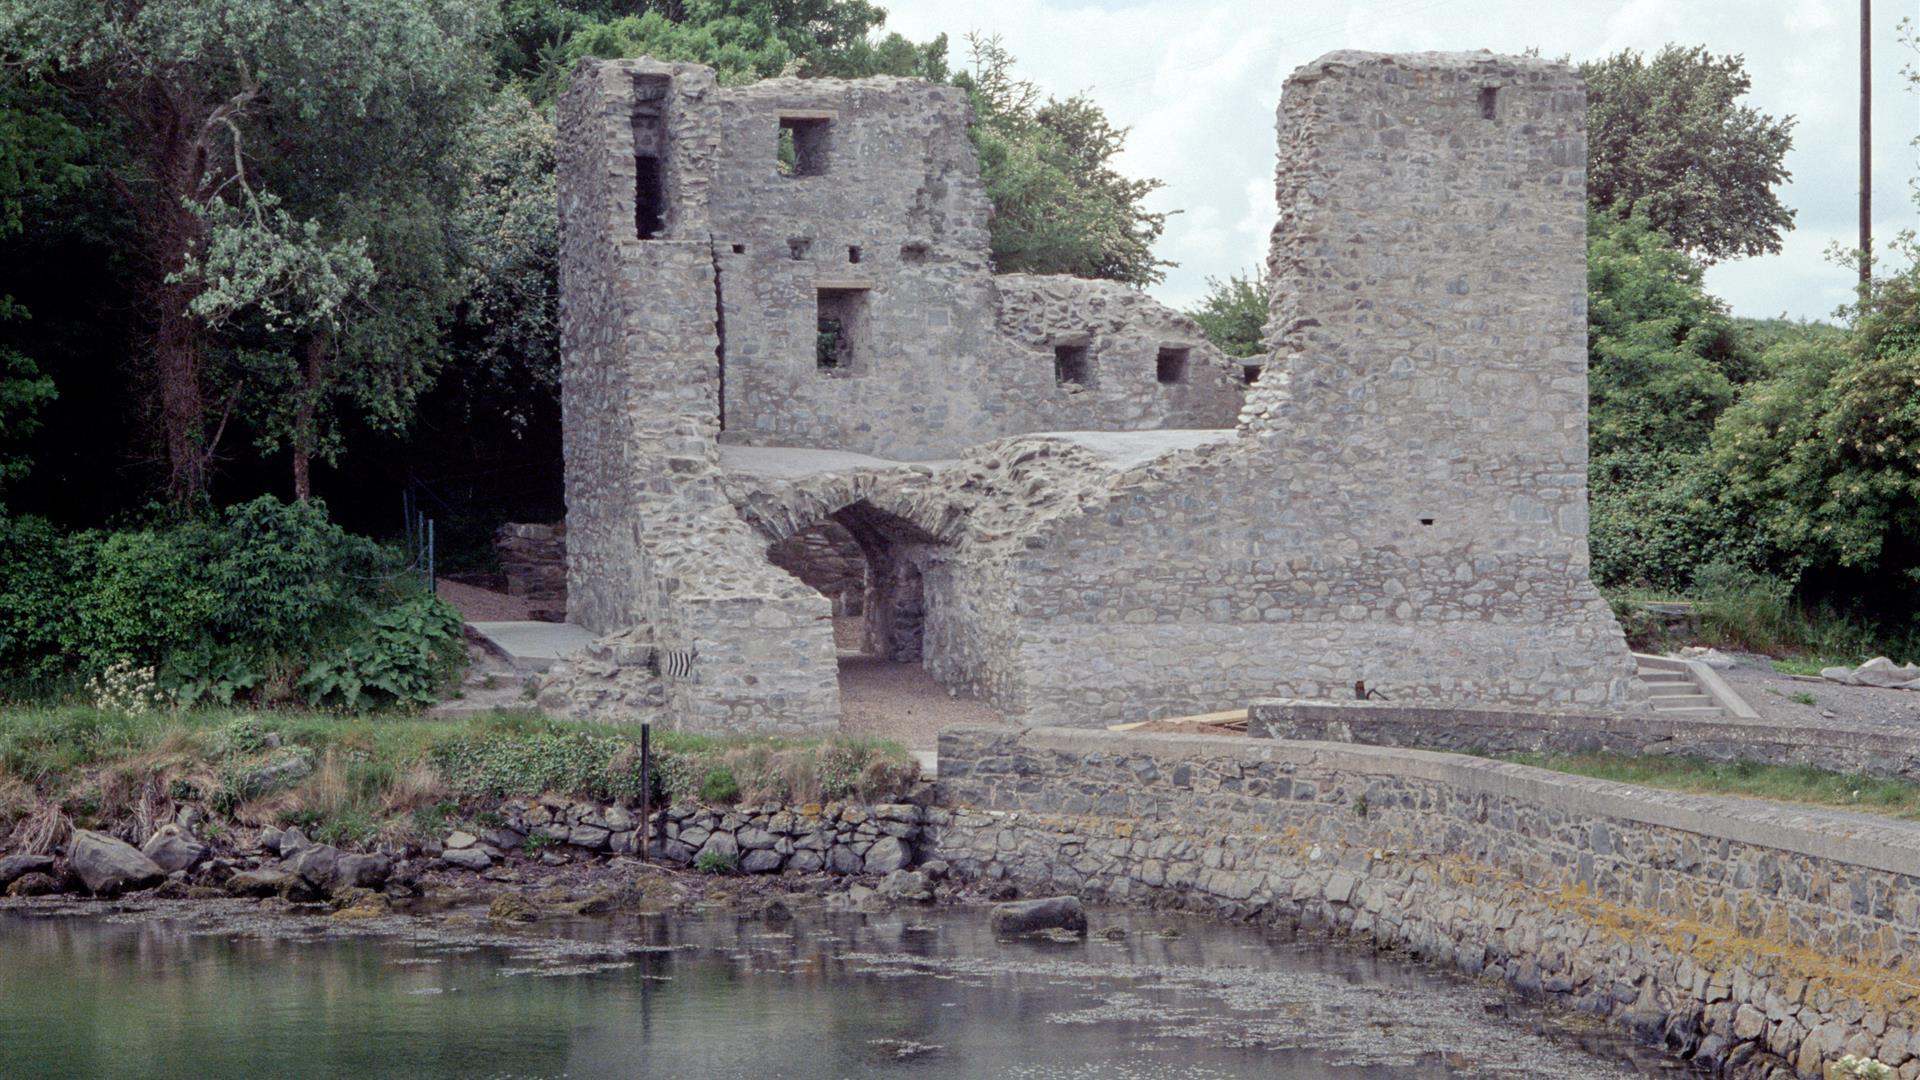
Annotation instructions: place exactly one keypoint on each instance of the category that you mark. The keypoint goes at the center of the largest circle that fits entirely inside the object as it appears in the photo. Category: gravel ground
(482, 605)
(1770, 694)
(902, 702)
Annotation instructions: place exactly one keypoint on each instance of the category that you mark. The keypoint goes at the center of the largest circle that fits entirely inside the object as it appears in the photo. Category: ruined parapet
(1119, 359)
(1406, 505)
(533, 559)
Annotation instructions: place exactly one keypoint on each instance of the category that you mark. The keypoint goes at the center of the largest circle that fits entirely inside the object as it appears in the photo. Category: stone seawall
(1764, 940)
(1874, 751)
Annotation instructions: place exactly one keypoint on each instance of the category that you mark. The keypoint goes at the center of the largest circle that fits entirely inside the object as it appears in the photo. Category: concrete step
(532, 646)
(1648, 674)
(1701, 711)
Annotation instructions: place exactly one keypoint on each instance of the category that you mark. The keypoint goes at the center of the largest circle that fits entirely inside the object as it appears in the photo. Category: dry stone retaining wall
(1764, 939)
(1890, 751)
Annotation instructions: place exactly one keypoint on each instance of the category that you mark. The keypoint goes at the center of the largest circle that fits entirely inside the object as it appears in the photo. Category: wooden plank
(1214, 719)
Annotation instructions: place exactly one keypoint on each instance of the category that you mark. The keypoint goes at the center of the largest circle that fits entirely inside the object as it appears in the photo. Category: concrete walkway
(532, 646)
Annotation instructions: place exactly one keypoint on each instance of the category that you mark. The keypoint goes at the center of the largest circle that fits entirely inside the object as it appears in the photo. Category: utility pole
(1866, 144)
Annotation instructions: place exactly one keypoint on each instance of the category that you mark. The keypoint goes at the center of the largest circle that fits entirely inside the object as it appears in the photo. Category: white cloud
(1198, 81)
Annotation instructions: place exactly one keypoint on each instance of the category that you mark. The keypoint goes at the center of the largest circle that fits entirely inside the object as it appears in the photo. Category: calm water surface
(919, 994)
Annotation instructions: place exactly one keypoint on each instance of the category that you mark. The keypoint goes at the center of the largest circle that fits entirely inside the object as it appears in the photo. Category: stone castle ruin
(781, 333)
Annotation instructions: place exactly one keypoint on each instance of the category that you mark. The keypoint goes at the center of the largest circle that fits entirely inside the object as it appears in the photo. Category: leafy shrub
(714, 862)
(40, 572)
(403, 657)
(264, 598)
(719, 785)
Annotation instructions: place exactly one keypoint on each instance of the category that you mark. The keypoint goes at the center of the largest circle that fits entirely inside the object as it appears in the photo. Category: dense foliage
(1060, 207)
(267, 602)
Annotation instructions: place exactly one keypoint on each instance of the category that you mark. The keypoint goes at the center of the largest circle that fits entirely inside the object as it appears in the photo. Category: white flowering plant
(1854, 1067)
(125, 687)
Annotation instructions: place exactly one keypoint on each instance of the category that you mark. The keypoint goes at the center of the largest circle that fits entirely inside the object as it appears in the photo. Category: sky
(1198, 82)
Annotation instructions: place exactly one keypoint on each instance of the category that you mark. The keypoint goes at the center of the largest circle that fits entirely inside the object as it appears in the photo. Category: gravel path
(902, 702)
(482, 605)
(1771, 695)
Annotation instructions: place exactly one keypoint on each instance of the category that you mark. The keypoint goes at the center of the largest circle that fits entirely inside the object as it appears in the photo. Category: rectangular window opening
(840, 327)
(1072, 366)
(1250, 373)
(797, 247)
(803, 147)
(1489, 102)
(739, 249)
(1170, 367)
(649, 155)
(853, 254)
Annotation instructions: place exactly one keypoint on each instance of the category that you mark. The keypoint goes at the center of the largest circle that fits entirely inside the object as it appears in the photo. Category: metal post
(646, 792)
(433, 585)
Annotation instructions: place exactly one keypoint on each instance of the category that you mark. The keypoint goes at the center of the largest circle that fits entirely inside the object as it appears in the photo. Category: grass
(1800, 784)
(357, 778)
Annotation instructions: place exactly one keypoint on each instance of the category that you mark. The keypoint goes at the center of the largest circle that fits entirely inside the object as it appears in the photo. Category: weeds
(1779, 783)
(359, 778)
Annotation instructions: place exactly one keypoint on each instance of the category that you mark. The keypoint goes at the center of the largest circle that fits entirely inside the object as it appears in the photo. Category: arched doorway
(875, 566)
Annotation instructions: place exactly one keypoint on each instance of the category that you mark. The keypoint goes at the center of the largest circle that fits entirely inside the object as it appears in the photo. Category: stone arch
(779, 512)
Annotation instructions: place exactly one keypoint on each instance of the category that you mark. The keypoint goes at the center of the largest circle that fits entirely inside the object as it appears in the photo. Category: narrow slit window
(1489, 102)
(1170, 367)
(649, 155)
(804, 145)
(1072, 366)
(853, 254)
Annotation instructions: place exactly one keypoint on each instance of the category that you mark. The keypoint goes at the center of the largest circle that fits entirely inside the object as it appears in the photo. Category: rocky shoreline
(518, 861)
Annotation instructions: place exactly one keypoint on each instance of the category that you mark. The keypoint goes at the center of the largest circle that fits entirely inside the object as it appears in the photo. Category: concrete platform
(532, 646)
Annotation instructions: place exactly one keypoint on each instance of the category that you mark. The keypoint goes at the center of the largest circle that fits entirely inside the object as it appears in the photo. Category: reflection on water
(926, 994)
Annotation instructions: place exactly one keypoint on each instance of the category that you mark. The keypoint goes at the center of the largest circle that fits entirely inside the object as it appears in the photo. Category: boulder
(906, 885)
(760, 861)
(458, 839)
(512, 907)
(755, 838)
(805, 861)
(1881, 671)
(842, 860)
(362, 871)
(15, 867)
(34, 883)
(291, 841)
(719, 845)
(260, 883)
(173, 848)
(316, 865)
(467, 858)
(889, 853)
(1838, 674)
(617, 819)
(591, 837)
(1046, 913)
(109, 867)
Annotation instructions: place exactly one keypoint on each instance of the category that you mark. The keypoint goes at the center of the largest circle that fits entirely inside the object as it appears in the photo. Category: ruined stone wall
(1406, 503)
(533, 559)
(1744, 935)
(890, 215)
(1146, 365)
(653, 540)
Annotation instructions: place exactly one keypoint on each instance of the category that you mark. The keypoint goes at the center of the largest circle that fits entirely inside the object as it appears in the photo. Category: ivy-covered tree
(1669, 141)
(1060, 207)
(187, 87)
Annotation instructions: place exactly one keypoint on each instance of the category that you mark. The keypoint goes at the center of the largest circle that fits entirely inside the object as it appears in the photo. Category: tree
(1667, 140)
(38, 150)
(188, 85)
(1234, 312)
(1059, 205)
(1663, 357)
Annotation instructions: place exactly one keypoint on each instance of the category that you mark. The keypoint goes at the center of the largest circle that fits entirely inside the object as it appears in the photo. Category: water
(226, 992)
